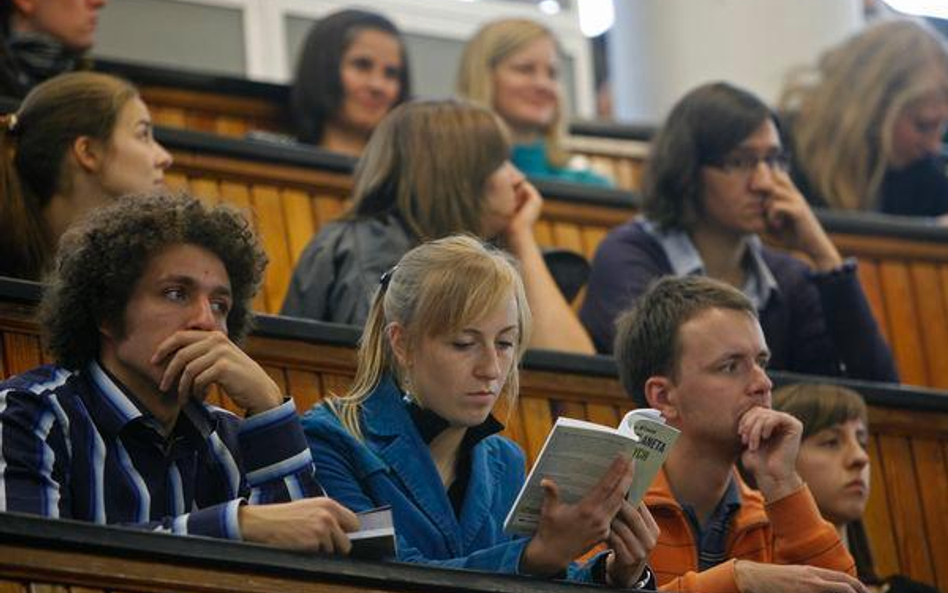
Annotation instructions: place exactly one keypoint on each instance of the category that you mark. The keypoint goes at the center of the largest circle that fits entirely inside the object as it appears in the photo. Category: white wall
(660, 49)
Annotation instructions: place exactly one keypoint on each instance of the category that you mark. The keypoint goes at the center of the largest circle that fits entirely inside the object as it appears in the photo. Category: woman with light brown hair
(868, 121)
(431, 169)
(512, 66)
(78, 141)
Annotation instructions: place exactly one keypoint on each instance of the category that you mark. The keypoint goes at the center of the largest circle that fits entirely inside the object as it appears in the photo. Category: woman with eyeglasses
(715, 182)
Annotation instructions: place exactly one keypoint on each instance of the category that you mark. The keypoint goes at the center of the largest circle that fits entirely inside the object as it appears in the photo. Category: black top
(921, 189)
(430, 425)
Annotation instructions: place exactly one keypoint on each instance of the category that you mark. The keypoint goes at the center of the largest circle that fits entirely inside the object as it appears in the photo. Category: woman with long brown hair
(77, 141)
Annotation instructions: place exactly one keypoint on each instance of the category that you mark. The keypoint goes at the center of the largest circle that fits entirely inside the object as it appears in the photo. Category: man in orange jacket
(692, 348)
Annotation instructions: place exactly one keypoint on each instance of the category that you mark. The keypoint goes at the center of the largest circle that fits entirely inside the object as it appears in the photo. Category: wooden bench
(293, 191)
(907, 516)
(234, 106)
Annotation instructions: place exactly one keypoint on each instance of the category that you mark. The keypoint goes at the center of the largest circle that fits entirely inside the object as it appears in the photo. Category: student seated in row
(352, 71)
(446, 331)
(431, 169)
(141, 314)
(40, 39)
(717, 182)
(693, 349)
(77, 142)
(834, 462)
(513, 66)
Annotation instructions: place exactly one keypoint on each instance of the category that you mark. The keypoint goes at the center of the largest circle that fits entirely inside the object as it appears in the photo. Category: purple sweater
(818, 324)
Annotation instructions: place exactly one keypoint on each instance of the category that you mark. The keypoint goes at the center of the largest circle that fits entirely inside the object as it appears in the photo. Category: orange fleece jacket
(787, 531)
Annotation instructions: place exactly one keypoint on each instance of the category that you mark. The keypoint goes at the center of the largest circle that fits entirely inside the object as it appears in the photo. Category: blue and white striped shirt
(74, 445)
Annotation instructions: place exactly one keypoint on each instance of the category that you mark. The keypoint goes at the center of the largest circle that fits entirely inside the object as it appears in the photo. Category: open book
(577, 454)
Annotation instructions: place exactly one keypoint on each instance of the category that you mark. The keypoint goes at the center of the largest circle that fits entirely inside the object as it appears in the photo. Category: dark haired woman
(716, 180)
(351, 72)
(78, 141)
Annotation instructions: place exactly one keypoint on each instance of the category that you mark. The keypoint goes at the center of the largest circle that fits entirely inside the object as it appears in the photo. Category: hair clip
(387, 277)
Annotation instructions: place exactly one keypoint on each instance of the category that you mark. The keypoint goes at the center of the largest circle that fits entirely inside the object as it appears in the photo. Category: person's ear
(399, 342)
(660, 394)
(89, 153)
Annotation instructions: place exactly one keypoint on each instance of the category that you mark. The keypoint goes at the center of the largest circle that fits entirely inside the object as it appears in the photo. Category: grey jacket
(339, 271)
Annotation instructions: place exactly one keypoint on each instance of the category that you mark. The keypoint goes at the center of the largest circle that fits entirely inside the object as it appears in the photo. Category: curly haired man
(141, 314)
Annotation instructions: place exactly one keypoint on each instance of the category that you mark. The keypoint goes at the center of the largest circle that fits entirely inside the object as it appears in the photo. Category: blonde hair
(492, 44)
(437, 288)
(428, 162)
(845, 110)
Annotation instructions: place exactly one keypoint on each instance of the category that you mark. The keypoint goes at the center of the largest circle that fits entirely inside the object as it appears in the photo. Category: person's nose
(858, 456)
(516, 175)
(933, 141)
(163, 158)
(762, 176)
(760, 384)
(203, 315)
(488, 364)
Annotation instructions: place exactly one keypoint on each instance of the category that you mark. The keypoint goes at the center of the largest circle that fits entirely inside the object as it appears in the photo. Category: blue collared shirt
(685, 260)
(75, 445)
(711, 539)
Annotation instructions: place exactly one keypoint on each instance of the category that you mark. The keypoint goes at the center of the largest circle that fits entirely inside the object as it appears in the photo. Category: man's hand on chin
(771, 442)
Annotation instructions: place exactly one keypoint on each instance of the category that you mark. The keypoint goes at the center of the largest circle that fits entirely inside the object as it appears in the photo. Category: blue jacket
(393, 466)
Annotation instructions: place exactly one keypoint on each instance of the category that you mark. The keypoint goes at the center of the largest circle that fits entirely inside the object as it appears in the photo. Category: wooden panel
(933, 329)
(878, 520)
(905, 507)
(273, 233)
(932, 470)
(603, 414)
(537, 423)
(298, 213)
(568, 236)
(872, 287)
(21, 352)
(304, 387)
(11, 587)
(903, 322)
(206, 189)
(569, 409)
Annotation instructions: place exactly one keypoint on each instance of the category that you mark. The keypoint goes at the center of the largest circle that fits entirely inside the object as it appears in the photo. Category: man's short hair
(101, 259)
(647, 341)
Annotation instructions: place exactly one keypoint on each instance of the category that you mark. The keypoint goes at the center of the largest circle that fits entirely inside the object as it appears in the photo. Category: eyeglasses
(746, 163)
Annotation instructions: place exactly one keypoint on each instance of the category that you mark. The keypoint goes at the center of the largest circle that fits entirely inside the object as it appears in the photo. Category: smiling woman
(446, 330)
(77, 142)
(513, 67)
(351, 72)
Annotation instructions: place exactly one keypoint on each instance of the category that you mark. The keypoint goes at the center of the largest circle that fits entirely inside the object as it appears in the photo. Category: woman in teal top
(512, 66)
(446, 329)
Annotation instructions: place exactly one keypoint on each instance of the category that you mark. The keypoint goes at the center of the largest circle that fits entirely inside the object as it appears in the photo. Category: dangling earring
(407, 396)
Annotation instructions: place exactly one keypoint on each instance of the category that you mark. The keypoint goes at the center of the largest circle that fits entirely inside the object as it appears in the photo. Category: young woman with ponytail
(445, 332)
(77, 141)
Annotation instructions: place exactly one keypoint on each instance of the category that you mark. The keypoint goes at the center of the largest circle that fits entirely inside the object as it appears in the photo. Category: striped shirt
(74, 445)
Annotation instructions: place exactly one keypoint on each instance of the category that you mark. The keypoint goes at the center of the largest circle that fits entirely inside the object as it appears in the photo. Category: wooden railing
(907, 516)
(57, 556)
